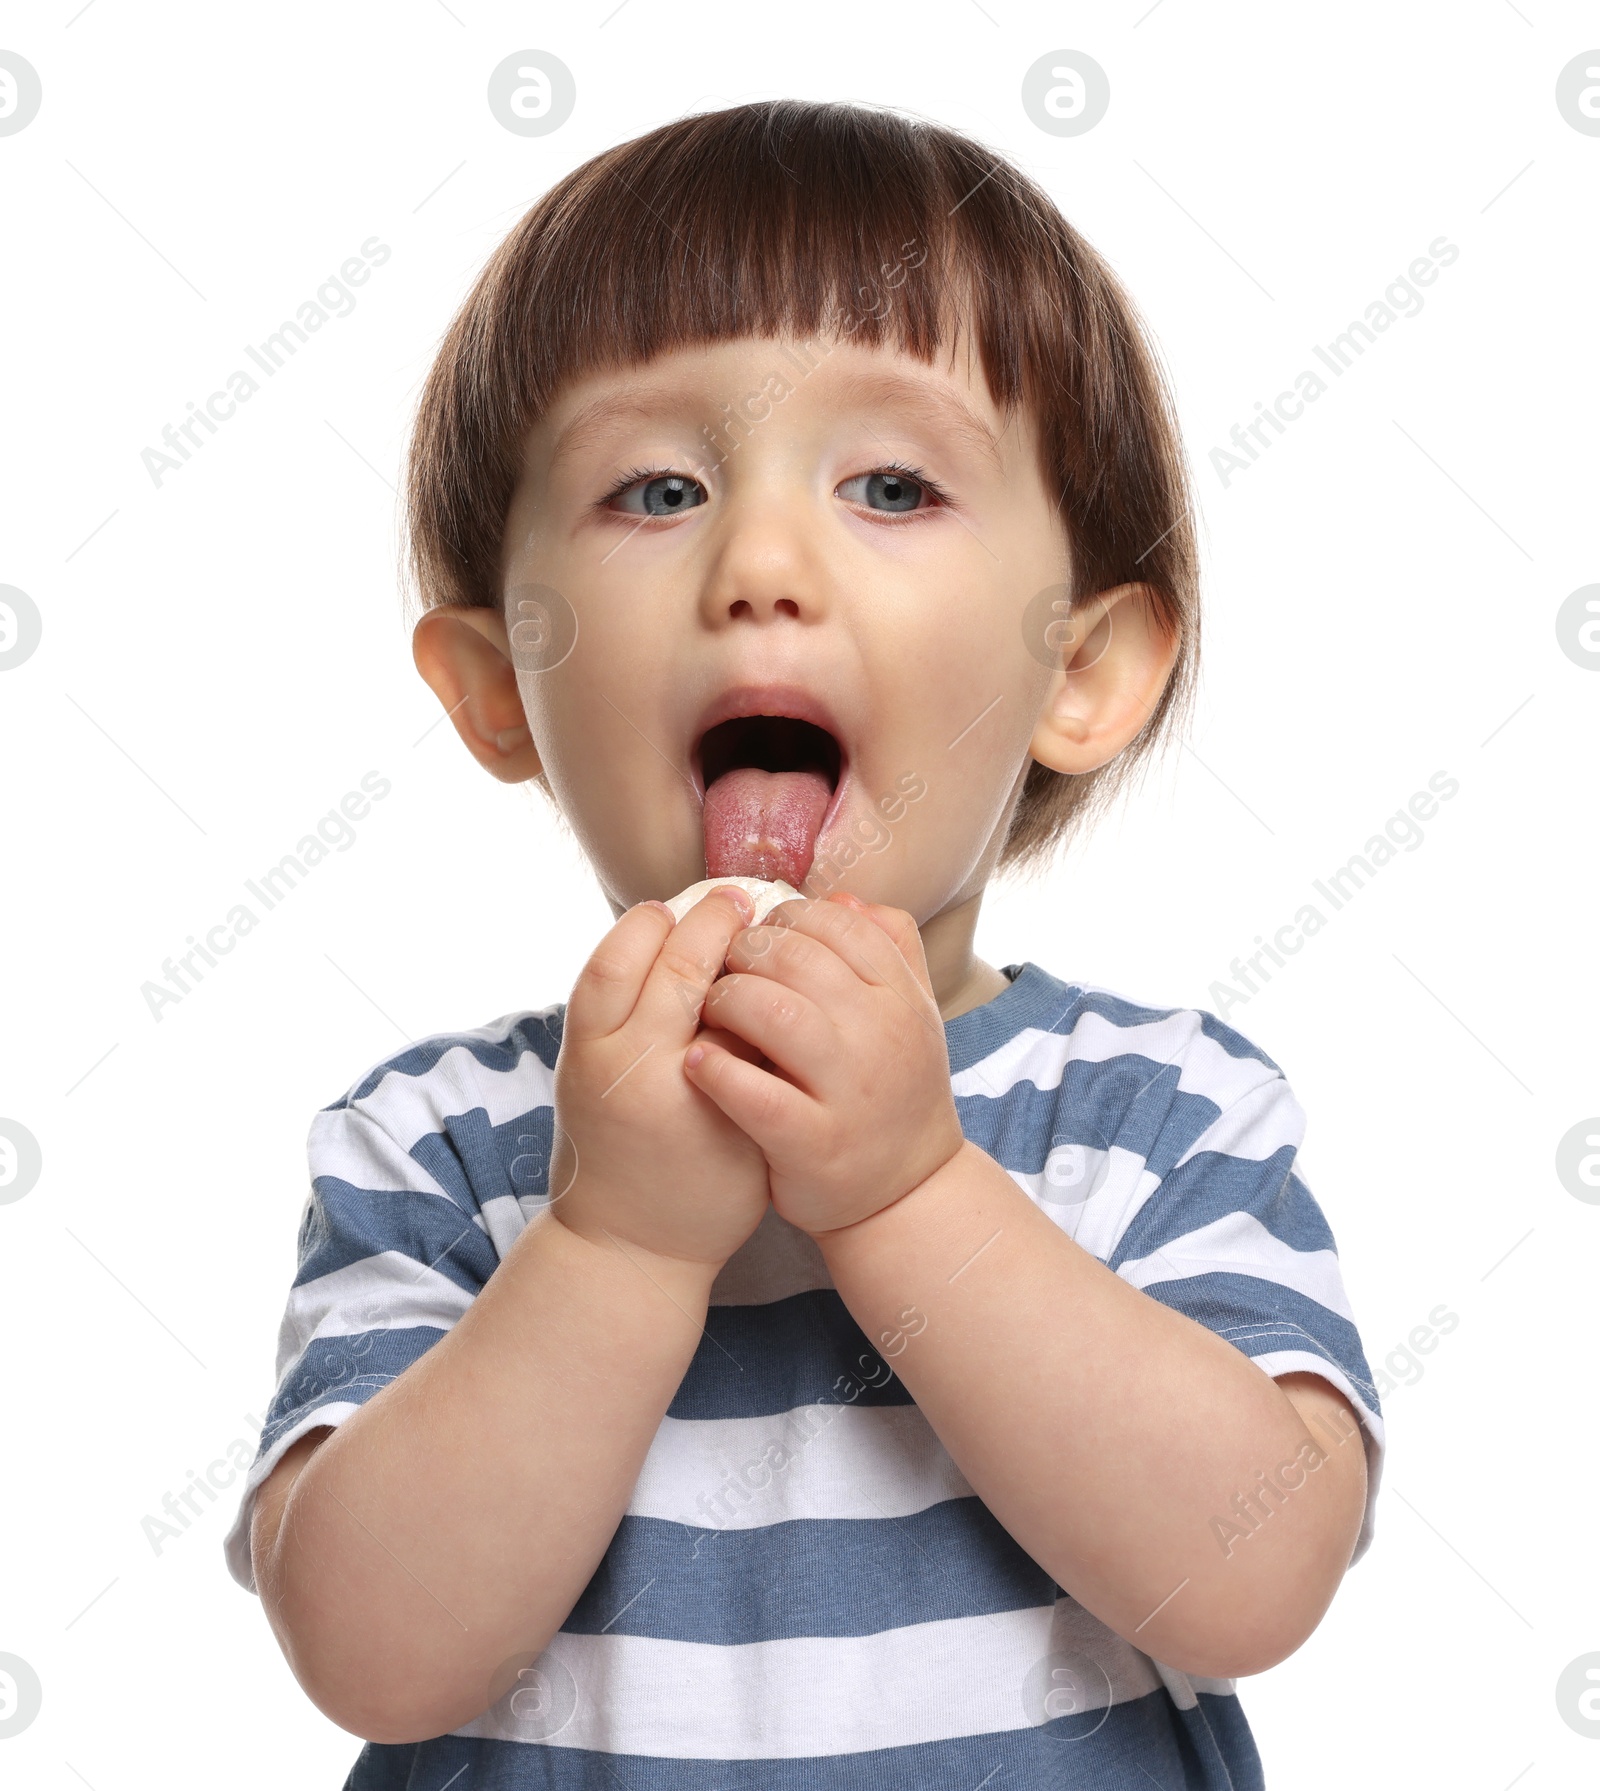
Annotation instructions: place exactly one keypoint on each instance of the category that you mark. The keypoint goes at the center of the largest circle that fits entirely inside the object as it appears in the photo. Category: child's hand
(641, 1154)
(854, 1108)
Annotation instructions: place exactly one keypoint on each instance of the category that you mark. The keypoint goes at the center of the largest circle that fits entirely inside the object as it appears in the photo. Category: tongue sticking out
(764, 823)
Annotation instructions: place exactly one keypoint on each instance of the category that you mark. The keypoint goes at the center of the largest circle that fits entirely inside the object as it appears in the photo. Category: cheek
(980, 699)
(586, 662)
(960, 692)
(630, 812)
(576, 758)
(966, 753)
(535, 689)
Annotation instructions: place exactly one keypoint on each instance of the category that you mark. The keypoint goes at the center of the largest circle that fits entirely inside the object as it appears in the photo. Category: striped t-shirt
(805, 1591)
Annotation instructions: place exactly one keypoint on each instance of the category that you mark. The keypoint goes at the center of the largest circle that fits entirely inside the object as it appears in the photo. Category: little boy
(810, 1356)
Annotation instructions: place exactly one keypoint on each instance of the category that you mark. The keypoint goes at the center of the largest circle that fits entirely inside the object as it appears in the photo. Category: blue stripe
(474, 1162)
(817, 1577)
(1234, 1043)
(1128, 1748)
(1131, 1101)
(1212, 1186)
(1035, 998)
(756, 1361)
(1259, 1317)
(752, 1361)
(338, 1369)
(486, 1162)
(345, 1225)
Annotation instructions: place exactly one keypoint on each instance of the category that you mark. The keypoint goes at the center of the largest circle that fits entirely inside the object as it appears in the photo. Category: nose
(766, 567)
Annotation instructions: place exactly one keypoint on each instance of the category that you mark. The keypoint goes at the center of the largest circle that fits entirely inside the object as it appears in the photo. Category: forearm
(455, 1519)
(1105, 1431)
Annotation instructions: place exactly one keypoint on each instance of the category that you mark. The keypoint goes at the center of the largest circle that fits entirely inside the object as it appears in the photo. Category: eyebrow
(595, 417)
(921, 402)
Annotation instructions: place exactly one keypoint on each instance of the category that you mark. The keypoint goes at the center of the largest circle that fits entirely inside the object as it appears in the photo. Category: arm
(452, 1522)
(1110, 1435)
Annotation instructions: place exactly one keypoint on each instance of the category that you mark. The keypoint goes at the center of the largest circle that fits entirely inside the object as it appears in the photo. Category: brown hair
(792, 217)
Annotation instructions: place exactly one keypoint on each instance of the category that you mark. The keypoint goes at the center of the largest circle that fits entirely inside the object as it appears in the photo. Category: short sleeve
(1232, 1237)
(389, 1257)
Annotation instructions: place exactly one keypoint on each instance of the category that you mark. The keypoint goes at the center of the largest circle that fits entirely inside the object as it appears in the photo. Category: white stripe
(1098, 1221)
(386, 1292)
(1204, 1068)
(817, 1695)
(349, 1143)
(817, 1461)
(1239, 1244)
(1264, 1120)
(506, 1217)
(1183, 1686)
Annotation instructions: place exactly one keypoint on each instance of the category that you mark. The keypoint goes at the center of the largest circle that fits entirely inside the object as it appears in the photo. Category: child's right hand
(640, 1153)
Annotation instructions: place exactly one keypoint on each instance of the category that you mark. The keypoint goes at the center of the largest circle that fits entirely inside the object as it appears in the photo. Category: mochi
(766, 894)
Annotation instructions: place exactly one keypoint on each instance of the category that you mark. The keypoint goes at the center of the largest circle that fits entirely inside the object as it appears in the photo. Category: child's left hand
(856, 1109)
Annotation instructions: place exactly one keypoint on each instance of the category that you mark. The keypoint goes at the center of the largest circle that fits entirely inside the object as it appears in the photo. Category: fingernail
(742, 899)
(661, 905)
(693, 1056)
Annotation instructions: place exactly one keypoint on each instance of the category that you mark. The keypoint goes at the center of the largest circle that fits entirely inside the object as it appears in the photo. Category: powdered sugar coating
(764, 893)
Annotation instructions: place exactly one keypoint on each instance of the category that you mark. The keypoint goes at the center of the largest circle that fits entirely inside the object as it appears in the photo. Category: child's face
(787, 579)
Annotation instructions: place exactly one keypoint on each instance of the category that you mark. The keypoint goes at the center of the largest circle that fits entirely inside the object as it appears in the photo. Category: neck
(961, 981)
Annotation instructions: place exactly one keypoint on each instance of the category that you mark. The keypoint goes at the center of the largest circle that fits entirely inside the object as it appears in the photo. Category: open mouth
(769, 782)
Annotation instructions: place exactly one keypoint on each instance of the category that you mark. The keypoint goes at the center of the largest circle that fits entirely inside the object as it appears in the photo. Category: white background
(223, 657)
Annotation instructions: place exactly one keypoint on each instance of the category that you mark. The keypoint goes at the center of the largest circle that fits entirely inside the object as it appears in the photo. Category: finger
(858, 940)
(689, 962)
(850, 900)
(907, 936)
(784, 1026)
(762, 1105)
(609, 985)
(729, 1041)
(797, 961)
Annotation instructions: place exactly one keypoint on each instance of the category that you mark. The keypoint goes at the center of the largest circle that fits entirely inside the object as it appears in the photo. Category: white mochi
(766, 895)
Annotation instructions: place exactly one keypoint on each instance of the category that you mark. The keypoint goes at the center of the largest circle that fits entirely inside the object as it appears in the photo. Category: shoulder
(499, 1047)
(1089, 1033)
(1086, 1083)
(506, 1058)
(455, 1124)
(445, 1113)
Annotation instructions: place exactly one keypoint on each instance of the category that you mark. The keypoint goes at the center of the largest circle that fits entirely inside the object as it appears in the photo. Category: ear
(1116, 659)
(465, 658)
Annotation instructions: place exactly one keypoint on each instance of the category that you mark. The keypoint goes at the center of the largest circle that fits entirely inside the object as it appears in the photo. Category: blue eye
(890, 490)
(661, 494)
